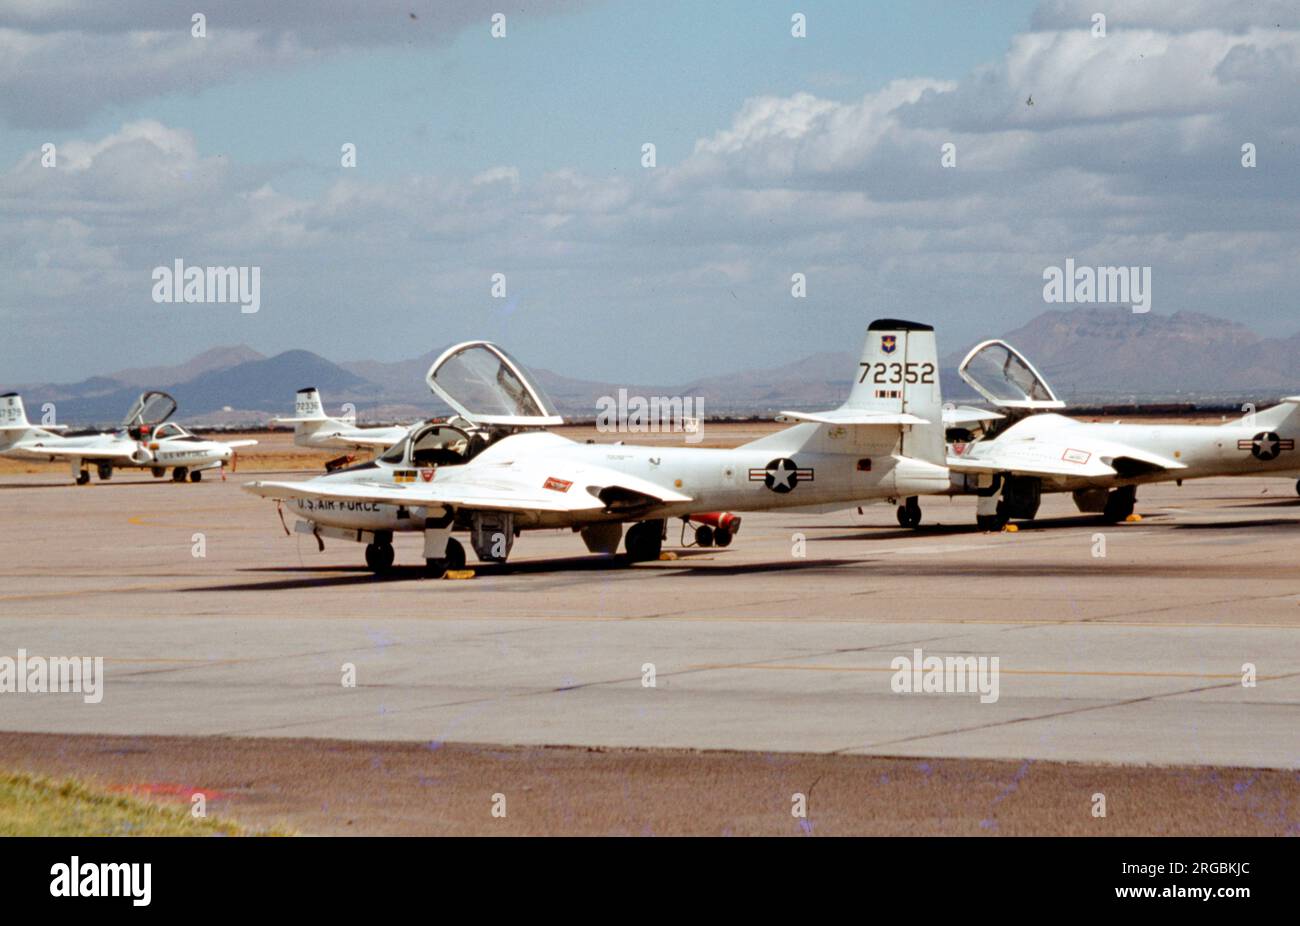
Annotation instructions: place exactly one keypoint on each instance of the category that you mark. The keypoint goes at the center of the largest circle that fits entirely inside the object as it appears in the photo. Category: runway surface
(781, 643)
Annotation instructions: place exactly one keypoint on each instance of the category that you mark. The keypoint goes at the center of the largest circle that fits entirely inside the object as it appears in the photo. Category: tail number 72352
(881, 373)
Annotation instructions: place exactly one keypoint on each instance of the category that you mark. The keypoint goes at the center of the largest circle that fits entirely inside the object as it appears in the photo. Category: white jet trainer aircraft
(1010, 457)
(145, 440)
(313, 428)
(494, 470)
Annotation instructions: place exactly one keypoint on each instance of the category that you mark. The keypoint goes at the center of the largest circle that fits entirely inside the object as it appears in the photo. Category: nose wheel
(379, 557)
(909, 513)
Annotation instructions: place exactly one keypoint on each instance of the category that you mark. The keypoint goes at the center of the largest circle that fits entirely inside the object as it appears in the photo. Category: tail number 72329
(881, 373)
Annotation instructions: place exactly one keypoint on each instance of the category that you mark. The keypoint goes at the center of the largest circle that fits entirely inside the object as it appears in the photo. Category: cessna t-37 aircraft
(145, 440)
(313, 428)
(1010, 457)
(495, 471)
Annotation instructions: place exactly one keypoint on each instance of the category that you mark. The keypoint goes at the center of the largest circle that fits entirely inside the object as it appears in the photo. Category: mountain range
(1086, 354)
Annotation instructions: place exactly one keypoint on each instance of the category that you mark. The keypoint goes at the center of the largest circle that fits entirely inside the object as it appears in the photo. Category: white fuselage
(338, 434)
(828, 466)
(118, 449)
(1232, 449)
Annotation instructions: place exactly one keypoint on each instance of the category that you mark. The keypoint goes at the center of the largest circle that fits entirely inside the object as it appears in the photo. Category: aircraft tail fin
(308, 411)
(1275, 416)
(307, 404)
(12, 415)
(899, 376)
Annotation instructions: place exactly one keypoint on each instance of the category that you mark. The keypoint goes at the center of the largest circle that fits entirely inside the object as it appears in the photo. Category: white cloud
(1131, 154)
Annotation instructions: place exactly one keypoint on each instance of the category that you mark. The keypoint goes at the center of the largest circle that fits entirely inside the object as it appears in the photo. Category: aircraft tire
(379, 557)
(178, 474)
(722, 537)
(196, 476)
(83, 477)
(644, 541)
(1297, 487)
(704, 535)
(1119, 504)
(990, 522)
(105, 471)
(909, 513)
(158, 471)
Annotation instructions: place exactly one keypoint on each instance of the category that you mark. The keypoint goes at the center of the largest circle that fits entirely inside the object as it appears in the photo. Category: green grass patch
(37, 806)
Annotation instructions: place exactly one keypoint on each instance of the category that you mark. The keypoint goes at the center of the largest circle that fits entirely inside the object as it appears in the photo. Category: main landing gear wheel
(178, 474)
(196, 476)
(704, 535)
(909, 513)
(1297, 487)
(1119, 504)
(379, 557)
(105, 471)
(83, 477)
(645, 540)
(453, 560)
(990, 522)
(158, 471)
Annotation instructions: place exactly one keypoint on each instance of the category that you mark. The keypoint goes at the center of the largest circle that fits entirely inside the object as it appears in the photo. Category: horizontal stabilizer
(963, 415)
(853, 417)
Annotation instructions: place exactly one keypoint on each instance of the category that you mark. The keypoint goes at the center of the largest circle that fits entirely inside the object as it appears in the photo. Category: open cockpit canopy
(151, 409)
(997, 371)
(488, 387)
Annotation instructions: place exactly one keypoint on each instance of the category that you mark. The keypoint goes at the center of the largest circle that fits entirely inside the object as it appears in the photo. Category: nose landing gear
(909, 513)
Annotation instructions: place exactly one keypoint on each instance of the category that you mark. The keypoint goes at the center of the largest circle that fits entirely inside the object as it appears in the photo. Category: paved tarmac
(781, 643)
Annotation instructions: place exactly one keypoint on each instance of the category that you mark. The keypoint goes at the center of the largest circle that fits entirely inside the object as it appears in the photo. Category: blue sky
(579, 90)
(522, 156)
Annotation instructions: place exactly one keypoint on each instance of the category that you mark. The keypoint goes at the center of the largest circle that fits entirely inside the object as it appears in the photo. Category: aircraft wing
(119, 451)
(1087, 459)
(238, 443)
(508, 491)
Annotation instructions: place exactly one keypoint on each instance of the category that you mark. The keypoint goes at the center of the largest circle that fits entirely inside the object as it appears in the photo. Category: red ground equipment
(714, 528)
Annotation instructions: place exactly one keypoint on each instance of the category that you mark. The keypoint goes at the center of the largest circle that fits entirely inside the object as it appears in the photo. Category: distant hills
(1104, 351)
(1086, 354)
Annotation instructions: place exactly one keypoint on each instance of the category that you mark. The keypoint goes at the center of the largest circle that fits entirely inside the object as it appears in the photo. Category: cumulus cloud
(61, 61)
(1129, 155)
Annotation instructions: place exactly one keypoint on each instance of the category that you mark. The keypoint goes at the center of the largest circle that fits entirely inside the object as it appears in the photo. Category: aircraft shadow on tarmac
(1291, 524)
(870, 532)
(303, 577)
(125, 484)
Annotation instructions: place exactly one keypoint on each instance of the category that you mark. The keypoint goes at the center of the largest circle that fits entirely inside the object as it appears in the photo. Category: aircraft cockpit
(436, 443)
(148, 412)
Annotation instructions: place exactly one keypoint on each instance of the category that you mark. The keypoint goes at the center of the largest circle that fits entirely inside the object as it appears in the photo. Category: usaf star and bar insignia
(781, 475)
(1266, 445)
